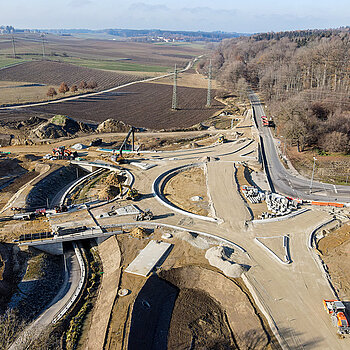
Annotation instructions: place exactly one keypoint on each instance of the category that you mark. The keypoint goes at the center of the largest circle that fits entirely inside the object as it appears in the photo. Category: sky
(205, 15)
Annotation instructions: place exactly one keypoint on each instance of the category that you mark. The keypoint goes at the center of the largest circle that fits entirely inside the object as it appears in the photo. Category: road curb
(274, 255)
(158, 192)
(280, 218)
(269, 318)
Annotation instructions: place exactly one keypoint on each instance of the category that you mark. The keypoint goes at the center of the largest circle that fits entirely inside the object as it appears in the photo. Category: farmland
(103, 54)
(54, 73)
(142, 105)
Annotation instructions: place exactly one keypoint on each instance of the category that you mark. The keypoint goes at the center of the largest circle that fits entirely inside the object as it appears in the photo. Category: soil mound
(223, 317)
(151, 315)
(5, 140)
(220, 258)
(112, 125)
(59, 126)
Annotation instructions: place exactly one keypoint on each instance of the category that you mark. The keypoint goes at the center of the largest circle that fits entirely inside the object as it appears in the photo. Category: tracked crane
(119, 158)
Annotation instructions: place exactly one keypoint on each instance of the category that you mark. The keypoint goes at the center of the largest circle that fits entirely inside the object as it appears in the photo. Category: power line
(174, 102)
(43, 46)
(209, 86)
(13, 47)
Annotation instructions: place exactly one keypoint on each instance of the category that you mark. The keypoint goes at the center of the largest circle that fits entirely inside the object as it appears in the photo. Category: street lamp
(313, 172)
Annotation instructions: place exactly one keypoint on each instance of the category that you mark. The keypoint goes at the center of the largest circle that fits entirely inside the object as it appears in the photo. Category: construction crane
(119, 158)
(337, 311)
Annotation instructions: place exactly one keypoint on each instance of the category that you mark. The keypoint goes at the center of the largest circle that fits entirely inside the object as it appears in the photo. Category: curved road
(67, 290)
(281, 180)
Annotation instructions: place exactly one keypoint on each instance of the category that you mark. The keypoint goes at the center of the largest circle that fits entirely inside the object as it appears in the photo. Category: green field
(5, 61)
(199, 45)
(119, 65)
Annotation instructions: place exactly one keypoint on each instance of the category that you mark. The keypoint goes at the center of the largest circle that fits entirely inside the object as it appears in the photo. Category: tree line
(64, 88)
(304, 78)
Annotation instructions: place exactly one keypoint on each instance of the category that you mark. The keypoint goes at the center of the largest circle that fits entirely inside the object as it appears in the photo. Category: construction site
(139, 239)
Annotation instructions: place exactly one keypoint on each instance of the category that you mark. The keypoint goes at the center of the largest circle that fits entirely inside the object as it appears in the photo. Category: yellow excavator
(132, 193)
(222, 139)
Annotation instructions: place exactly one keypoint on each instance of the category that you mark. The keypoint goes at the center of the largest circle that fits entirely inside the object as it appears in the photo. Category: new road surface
(284, 182)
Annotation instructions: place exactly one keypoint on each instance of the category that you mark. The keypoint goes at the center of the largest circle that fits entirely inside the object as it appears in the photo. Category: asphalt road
(66, 291)
(283, 181)
(290, 294)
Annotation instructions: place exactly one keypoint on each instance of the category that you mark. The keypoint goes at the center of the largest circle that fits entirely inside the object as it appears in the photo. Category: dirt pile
(151, 315)
(112, 125)
(334, 249)
(220, 257)
(203, 326)
(5, 140)
(212, 312)
(59, 126)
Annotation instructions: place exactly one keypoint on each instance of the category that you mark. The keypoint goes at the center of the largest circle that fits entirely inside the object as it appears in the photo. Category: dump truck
(337, 311)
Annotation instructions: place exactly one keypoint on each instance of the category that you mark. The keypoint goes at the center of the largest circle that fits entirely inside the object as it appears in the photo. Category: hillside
(303, 77)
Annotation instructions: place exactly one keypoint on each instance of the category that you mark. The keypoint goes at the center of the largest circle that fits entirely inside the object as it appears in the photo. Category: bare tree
(82, 85)
(63, 88)
(74, 88)
(51, 92)
(92, 85)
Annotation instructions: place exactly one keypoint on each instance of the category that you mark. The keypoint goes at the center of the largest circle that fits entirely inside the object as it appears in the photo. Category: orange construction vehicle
(337, 311)
(64, 153)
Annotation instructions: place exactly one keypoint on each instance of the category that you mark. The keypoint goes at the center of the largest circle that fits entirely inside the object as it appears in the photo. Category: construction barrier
(328, 204)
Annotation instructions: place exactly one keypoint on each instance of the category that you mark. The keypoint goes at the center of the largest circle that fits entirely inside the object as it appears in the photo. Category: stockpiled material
(218, 258)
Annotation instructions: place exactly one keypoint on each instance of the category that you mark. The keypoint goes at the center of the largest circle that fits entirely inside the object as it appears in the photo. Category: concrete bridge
(93, 166)
(54, 245)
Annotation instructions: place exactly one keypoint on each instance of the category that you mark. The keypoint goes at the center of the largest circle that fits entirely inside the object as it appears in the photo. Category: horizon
(200, 16)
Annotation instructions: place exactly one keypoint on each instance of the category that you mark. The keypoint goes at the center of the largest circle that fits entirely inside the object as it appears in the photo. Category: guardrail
(93, 233)
(76, 183)
(78, 289)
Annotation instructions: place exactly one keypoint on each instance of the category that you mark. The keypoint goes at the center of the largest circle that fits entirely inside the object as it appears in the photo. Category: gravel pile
(218, 257)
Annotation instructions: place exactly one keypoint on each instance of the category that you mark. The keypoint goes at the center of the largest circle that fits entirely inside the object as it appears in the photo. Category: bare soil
(334, 250)
(23, 92)
(141, 105)
(54, 73)
(208, 320)
(192, 80)
(141, 53)
(185, 185)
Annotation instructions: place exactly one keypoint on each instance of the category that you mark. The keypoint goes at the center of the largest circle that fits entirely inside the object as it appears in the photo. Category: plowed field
(142, 105)
(54, 73)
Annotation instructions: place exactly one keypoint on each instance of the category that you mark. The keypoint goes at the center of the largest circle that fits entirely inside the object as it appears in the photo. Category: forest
(303, 78)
